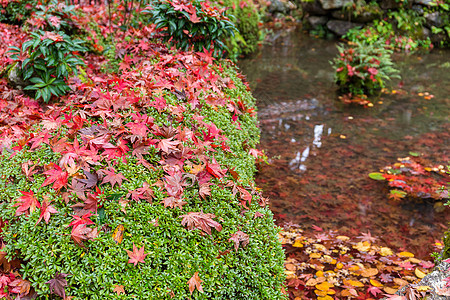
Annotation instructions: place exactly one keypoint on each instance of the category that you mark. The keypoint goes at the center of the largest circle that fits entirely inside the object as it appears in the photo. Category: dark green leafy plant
(363, 68)
(53, 16)
(16, 12)
(194, 24)
(46, 61)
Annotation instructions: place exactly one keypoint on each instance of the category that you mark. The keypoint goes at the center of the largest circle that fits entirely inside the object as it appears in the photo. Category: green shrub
(363, 68)
(194, 24)
(46, 60)
(247, 269)
(54, 16)
(246, 38)
(15, 11)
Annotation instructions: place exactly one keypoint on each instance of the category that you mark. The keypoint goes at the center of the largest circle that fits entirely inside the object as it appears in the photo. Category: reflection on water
(324, 150)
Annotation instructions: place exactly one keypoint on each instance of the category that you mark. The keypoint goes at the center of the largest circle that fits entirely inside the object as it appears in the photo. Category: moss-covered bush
(159, 159)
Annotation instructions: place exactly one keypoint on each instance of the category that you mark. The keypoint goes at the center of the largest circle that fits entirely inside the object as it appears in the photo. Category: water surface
(321, 150)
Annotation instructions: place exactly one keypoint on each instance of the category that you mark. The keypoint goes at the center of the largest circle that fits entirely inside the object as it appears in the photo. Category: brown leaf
(239, 237)
(119, 289)
(195, 283)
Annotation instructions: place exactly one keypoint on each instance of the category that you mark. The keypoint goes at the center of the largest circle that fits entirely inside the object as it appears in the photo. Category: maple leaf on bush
(195, 283)
(168, 146)
(239, 237)
(200, 221)
(112, 177)
(81, 232)
(46, 210)
(25, 202)
(57, 284)
(56, 176)
(20, 286)
(82, 220)
(136, 255)
(214, 169)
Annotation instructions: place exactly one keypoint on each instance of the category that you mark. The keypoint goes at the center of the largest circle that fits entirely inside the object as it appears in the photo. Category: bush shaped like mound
(141, 187)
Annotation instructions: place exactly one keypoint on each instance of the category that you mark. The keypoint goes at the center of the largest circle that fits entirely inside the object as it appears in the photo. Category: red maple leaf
(214, 169)
(27, 201)
(81, 232)
(112, 177)
(136, 255)
(81, 220)
(57, 285)
(200, 221)
(195, 283)
(56, 176)
(46, 210)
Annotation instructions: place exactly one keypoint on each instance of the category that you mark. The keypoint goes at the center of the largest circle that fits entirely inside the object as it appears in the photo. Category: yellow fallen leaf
(315, 255)
(354, 283)
(354, 268)
(375, 283)
(390, 290)
(414, 260)
(298, 244)
(400, 282)
(405, 254)
(419, 273)
(342, 238)
(369, 272)
(331, 292)
(423, 288)
(339, 266)
(362, 246)
(290, 267)
(320, 293)
(324, 286)
(385, 251)
(311, 282)
(319, 273)
(325, 298)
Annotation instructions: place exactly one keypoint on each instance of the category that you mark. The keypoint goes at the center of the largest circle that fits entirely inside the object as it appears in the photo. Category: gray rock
(316, 21)
(341, 27)
(313, 8)
(424, 2)
(364, 17)
(281, 6)
(418, 8)
(390, 4)
(426, 33)
(15, 78)
(334, 4)
(435, 280)
(438, 38)
(434, 19)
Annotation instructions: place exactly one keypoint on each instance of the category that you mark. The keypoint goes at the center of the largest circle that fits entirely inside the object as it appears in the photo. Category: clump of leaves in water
(363, 68)
(416, 178)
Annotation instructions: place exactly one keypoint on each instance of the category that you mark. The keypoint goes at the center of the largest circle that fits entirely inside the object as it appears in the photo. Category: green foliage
(194, 24)
(46, 60)
(248, 35)
(174, 253)
(16, 12)
(363, 68)
(54, 16)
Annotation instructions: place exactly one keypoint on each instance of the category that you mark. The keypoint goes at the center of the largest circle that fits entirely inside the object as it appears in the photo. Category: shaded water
(321, 151)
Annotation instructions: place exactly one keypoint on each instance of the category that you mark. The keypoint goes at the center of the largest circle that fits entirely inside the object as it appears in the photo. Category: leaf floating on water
(376, 176)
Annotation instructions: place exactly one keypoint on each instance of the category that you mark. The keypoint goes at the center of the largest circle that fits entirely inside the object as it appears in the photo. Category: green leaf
(377, 176)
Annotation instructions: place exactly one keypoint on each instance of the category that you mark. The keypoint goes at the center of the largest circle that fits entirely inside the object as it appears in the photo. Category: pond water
(321, 151)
